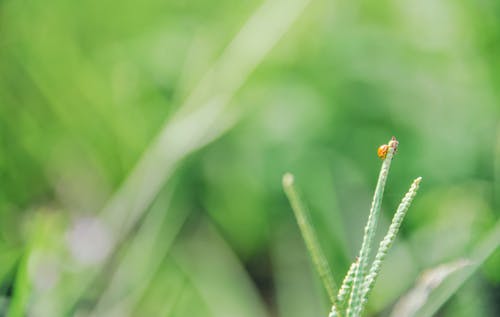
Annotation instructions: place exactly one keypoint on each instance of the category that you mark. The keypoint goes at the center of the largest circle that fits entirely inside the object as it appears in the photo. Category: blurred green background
(143, 145)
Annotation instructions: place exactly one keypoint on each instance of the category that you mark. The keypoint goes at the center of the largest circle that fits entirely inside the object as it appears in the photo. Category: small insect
(382, 151)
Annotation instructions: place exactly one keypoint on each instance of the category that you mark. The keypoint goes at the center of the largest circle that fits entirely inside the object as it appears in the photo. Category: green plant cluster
(359, 280)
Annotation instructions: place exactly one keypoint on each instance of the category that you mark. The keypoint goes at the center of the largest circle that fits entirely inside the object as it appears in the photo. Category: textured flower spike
(389, 238)
(355, 299)
(345, 289)
(394, 143)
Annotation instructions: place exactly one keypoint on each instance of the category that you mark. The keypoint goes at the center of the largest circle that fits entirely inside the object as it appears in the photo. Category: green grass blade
(144, 257)
(308, 233)
(344, 291)
(388, 240)
(202, 118)
(481, 252)
(22, 287)
(23, 283)
(410, 303)
(354, 305)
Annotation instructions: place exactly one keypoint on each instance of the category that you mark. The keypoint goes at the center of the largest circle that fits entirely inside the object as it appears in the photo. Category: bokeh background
(143, 145)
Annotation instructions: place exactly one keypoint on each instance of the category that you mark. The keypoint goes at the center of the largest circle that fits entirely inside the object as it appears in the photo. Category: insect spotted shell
(382, 151)
(384, 148)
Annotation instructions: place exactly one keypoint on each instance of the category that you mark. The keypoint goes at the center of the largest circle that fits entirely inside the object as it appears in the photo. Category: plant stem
(389, 238)
(345, 290)
(309, 236)
(354, 306)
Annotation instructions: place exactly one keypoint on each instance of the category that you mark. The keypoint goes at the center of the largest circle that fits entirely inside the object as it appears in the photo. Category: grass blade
(202, 118)
(481, 252)
(22, 288)
(409, 304)
(354, 305)
(389, 238)
(344, 291)
(308, 233)
(24, 283)
(144, 256)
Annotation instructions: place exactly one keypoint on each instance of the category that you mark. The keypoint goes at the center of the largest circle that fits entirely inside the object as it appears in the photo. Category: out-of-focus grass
(86, 88)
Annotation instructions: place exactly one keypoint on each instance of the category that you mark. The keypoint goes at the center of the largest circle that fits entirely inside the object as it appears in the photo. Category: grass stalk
(360, 279)
(388, 240)
(355, 300)
(309, 236)
(344, 291)
(202, 118)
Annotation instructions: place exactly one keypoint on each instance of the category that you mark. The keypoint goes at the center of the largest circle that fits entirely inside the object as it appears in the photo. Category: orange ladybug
(382, 151)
